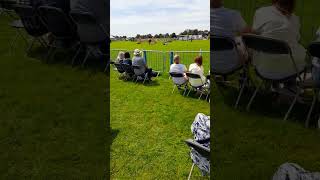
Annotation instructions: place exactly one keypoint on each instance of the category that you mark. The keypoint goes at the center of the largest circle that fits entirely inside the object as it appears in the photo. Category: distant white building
(189, 37)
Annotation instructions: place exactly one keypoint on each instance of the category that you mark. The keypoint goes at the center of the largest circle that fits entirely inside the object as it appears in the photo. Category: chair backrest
(204, 151)
(89, 30)
(138, 70)
(57, 22)
(31, 20)
(265, 44)
(271, 46)
(225, 58)
(314, 49)
(119, 67)
(176, 75)
(128, 68)
(195, 80)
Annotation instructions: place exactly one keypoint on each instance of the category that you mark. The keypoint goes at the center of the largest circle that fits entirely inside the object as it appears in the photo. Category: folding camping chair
(91, 33)
(32, 24)
(278, 47)
(225, 60)
(197, 84)
(120, 69)
(63, 29)
(129, 70)
(314, 51)
(177, 83)
(202, 150)
(139, 73)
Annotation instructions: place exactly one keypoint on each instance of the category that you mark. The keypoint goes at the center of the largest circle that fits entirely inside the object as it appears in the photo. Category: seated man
(176, 67)
(137, 60)
(279, 22)
(228, 23)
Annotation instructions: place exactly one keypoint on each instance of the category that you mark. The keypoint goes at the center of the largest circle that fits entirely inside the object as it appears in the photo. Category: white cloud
(131, 17)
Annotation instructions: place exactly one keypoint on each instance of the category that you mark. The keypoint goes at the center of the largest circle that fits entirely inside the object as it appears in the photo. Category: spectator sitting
(229, 23)
(197, 68)
(316, 65)
(127, 59)
(137, 60)
(279, 22)
(120, 57)
(176, 67)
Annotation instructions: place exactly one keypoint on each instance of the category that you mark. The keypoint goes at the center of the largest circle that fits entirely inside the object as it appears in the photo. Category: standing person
(137, 60)
(279, 22)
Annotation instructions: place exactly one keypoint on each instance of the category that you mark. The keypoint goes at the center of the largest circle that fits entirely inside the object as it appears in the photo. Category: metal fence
(161, 60)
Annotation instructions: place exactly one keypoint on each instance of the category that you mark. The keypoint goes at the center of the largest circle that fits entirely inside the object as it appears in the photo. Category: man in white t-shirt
(176, 67)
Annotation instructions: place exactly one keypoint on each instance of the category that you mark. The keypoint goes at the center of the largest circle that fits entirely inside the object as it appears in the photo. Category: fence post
(200, 52)
(164, 61)
(145, 55)
(171, 57)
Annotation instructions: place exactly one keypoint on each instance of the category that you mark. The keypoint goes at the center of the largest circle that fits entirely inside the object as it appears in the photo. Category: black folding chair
(129, 70)
(177, 84)
(63, 29)
(224, 66)
(91, 33)
(314, 51)
(193, 81)
(32, 24)
(139, 73)
(120, 68)
(277, 47)
(202, 150)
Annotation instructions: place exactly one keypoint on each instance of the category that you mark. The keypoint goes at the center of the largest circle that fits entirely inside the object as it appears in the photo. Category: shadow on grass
(114, 134)
(268, 104)
(94, 64)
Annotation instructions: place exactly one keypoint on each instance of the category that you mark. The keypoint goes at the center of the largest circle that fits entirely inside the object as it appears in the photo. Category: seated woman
(278, 22)
(176, 67)
(120, 57)
(197, 68)
(127, 59)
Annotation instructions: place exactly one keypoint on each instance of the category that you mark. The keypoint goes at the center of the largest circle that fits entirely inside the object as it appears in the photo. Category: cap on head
(137, 52)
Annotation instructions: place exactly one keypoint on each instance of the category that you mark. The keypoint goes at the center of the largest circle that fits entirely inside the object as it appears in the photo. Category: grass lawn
(149, 125)
(52, 117)
(252, 145)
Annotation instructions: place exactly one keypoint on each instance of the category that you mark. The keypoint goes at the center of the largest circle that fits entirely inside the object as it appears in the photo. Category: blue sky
(131, 17)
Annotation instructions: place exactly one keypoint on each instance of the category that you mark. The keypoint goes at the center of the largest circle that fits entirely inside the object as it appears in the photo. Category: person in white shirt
(176, 67)
(197, 68)
(279, 22)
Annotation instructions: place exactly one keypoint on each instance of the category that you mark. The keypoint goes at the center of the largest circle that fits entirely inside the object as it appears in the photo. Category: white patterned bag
(201, 131)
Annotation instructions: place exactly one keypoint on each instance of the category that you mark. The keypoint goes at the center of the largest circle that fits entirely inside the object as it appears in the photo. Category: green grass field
(160, 60)
(52, 116)
(252, 145)
(149, 123)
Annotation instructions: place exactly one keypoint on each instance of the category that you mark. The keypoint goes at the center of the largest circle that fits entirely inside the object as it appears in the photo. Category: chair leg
(185, 90)
(51, 52)
(240, 94)
(291, 106)
(86, 58)
(189, 91)
(31, 45)
(174, 87)
(191, 171)
(75, 56)
(311, 109)
(253, 96)
(200, 94)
